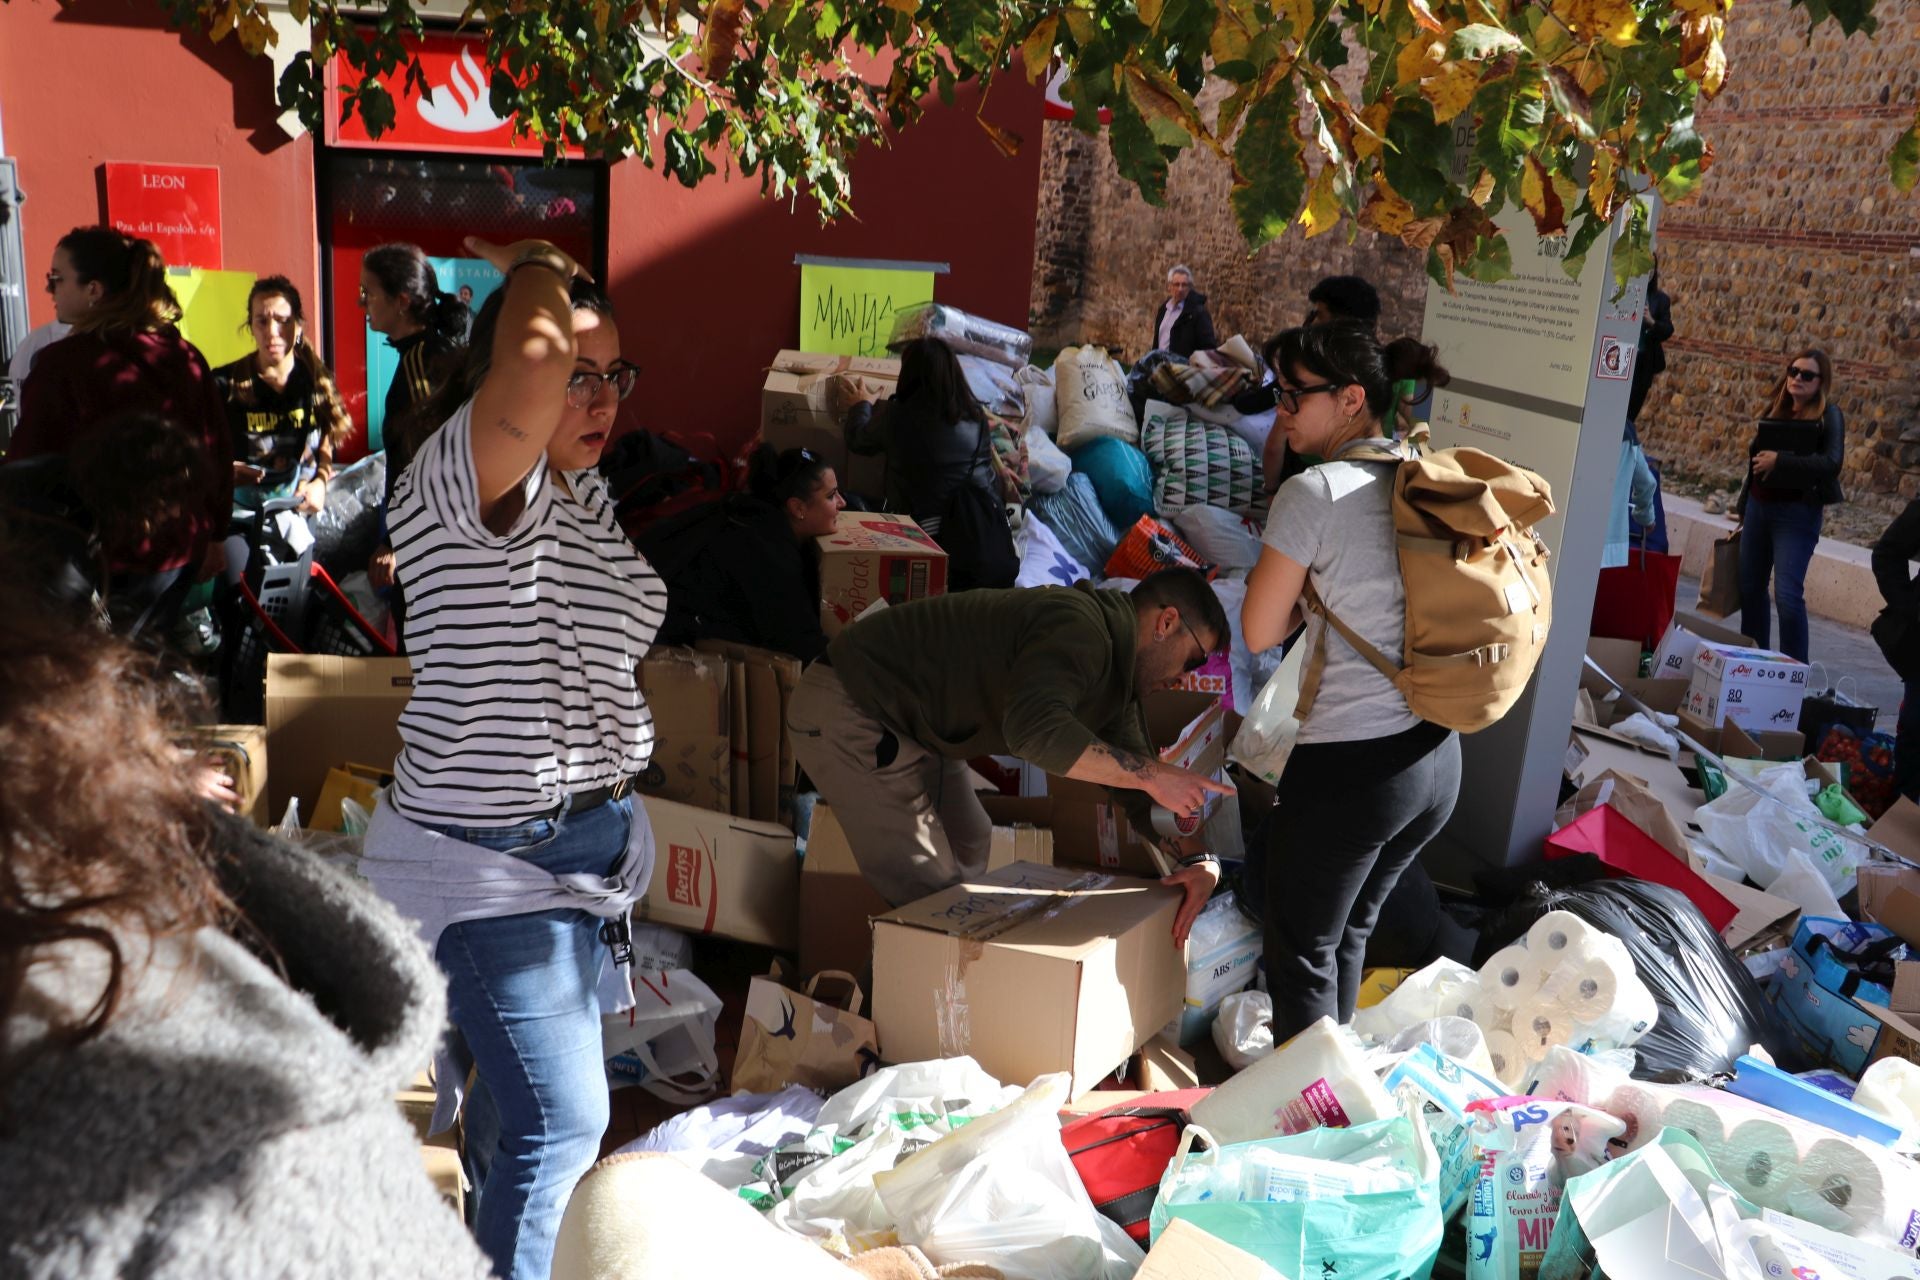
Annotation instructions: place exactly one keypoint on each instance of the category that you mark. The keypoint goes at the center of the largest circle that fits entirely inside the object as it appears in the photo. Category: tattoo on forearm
(510, 429)
(1137, 765)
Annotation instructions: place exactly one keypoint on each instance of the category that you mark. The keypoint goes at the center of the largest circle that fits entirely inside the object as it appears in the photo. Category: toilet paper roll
(1846, 1187)
(1540, 1025)
(1641, 1107)
(1556, 933)
(1511, 976)
(1762, 1162)
(1508, 1059)
(1461, 999)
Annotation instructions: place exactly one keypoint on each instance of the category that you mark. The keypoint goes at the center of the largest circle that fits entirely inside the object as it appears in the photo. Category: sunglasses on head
(1803, 375)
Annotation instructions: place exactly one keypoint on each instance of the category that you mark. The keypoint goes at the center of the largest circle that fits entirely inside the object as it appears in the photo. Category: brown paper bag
(1720, 580)
(790, 1037)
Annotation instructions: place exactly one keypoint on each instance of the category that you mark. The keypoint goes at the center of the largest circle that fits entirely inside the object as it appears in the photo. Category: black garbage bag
(348, 529)
(1711, 1009)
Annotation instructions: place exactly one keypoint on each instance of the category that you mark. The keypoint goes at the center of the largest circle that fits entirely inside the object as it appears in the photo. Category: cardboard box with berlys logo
(721, 875)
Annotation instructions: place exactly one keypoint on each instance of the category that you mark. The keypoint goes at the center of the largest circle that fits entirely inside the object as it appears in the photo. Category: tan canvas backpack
(1475, 571)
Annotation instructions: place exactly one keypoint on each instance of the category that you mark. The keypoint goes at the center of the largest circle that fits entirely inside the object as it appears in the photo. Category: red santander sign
(177, 206)
(455, 113)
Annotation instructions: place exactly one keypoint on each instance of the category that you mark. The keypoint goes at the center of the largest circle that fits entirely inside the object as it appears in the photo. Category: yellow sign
(848, 311)
(213, 307)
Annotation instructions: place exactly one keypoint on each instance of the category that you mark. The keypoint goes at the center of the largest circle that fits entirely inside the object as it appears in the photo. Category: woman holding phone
(1784, 501)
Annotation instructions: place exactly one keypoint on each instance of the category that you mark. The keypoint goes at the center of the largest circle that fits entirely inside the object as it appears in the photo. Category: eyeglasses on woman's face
(583, 388)
(1289, 397)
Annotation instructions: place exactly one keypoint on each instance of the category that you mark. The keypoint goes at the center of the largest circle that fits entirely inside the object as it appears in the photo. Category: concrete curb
(1840, 584)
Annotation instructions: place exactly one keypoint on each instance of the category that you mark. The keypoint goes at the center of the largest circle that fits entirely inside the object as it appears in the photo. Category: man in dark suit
(1655, 328)
(1181, 323)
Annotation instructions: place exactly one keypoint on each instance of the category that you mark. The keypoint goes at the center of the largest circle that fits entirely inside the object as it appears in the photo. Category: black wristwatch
(1195, 859)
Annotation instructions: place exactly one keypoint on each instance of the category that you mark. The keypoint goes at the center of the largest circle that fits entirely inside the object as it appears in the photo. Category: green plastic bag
(1837, 806)
(1360, 1203)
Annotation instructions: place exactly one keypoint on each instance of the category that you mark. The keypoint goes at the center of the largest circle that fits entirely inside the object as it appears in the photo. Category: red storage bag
(1635, 601)
(1121, 1152)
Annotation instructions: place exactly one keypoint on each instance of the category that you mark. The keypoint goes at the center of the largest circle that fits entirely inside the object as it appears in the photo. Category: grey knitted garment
(231, 1123)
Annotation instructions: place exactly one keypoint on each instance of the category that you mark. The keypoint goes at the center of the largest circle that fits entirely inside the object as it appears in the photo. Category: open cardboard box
(1889, 892)
(717, 874)
(795, 412)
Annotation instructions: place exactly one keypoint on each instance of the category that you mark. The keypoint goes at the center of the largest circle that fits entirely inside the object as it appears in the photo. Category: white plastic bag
(994, 385)
(1267, 735)
(1002, 1192)
(1043, 561)
(1091, 393)
(1414, 1001)
(1220, 536)
(1048, 466)
(1759, 835)
(1037, 386)
(666, 1042)
(1243, 1031)
(725, 1138)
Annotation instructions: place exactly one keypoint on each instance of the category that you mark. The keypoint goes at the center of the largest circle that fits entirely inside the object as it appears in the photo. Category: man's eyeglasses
(1194, 664)
(1289, 397)
(1804, 375)
(583, 388)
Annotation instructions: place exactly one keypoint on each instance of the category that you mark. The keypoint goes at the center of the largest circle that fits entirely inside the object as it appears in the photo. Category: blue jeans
(1777, 542)
(522, 991)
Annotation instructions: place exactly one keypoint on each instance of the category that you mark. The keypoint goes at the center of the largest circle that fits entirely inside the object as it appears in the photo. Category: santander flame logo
(462, 106)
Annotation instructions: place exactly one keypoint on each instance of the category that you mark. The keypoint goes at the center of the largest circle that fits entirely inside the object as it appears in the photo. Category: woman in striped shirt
(508, 832)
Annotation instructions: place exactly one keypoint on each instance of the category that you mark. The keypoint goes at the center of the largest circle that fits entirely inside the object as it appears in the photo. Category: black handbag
(975, 535)
(1897, 632)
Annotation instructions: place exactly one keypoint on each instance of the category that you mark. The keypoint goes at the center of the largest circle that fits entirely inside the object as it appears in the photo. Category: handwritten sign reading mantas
(848, 310)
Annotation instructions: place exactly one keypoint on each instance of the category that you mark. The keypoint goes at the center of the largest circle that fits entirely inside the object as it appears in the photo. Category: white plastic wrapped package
(1317, 1078)
(1048, 465)
(1221, 537)
(1002, 1192)
(966, 334)
(1414, 1001)
(1444, 1089)
(1223, 953)
(1759, 836)
(727, 1137)
(1456, 1038)
(995, 386)
(1565, 1075)
(822, 1186)
(1890, 1088)
(1243, 1029)
(1527, 1151)
(1254, 428)
(1043, 561)
(1037, 386)
(1090, 391)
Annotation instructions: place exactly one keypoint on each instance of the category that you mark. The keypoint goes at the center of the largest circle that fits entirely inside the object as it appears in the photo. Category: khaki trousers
(911, 817)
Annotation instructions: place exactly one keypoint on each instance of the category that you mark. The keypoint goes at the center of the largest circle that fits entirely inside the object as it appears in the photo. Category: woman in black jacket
(940, 467)
(1783, 502)
(747, 569)
(1897, 631)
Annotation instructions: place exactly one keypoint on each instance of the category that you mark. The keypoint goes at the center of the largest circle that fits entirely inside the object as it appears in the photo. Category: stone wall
(1796, 239)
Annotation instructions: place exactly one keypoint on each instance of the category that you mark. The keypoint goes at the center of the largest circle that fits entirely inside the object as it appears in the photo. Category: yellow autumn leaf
(1611, 20)
(1367, 140)
(1703, 8)
(1150, 11)
(1421, 234)
(1543, 195)
(1080, 26)
(1420, 58)
(1301, 15)
(1036, 51)
(1602, 185)
(1386, 210)
(1322, 211)
(1451, 89)
(1702, 54)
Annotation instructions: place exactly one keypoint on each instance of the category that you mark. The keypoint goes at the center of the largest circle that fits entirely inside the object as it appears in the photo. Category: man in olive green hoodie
(885, 722)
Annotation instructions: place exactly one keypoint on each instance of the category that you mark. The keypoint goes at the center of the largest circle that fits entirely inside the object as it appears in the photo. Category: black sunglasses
(1803, 375)
(1289, 397)
(1206, 655)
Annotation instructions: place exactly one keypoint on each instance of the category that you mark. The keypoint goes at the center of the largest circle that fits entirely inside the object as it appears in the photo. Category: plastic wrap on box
(966, 334)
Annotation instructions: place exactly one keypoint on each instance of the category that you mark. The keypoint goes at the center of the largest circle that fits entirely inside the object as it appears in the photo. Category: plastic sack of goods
(1710, 1010)
(966, 334)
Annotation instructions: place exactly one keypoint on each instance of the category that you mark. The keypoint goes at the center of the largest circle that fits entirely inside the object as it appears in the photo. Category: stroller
(281, 601)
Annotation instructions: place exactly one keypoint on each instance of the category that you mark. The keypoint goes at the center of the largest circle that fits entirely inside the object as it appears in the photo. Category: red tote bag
(1635, 601)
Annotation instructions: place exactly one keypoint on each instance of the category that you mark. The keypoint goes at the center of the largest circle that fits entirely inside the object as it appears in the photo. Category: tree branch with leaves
(1463, 107)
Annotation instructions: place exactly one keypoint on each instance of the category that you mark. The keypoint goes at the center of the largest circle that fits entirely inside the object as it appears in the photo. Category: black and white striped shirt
(525, 646)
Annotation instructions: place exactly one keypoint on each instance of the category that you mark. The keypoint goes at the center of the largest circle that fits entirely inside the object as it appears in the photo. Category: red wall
(704, 279)
(103, 80)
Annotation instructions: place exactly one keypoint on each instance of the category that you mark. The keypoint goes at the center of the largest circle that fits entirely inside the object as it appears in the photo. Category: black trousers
(1351, 816)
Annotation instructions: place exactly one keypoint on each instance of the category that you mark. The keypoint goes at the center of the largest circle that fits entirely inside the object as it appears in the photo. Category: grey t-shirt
(1337, 519)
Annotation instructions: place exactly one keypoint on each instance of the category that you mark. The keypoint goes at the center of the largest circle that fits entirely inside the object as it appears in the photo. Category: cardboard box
(356, 782)
(1732, 742)
(837, 905)
(795, 413)
(1889, 892)
(1186, 1252)
(241, 752)
(767, 750)
(874, 556)
(1165, 1066)
(1757, 689)
(1191, 730)
(1674, 659)
(1029, 969)
(322, 710)
(717, 874)
(687, 692)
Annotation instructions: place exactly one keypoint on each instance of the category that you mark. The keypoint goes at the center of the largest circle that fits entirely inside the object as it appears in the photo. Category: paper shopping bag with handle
(792, 1037)
(1720, 579)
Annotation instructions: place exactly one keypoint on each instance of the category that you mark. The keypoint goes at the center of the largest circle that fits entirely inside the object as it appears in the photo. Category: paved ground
(1840, 651)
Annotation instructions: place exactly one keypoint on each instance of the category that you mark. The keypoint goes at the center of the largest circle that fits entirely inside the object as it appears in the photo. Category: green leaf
(1492, 261)
(1272, 173)
(1903, 162)
(1509, 130)
(1853, 16)
(1419, 158)
(1136, 154)
(376, 106)
(1587, 228)
(1679, 162)
(1481, 41)
(1633, 252)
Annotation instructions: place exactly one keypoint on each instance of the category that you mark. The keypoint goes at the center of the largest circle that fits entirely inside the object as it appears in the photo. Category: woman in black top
(284, 413)
(1783, 503)
(747, 569)
(938, 445)
(428, 327)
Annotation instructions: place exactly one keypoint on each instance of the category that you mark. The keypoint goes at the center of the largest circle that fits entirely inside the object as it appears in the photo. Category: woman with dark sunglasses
(1784, 499)
(510, 833)
(1369, 783)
